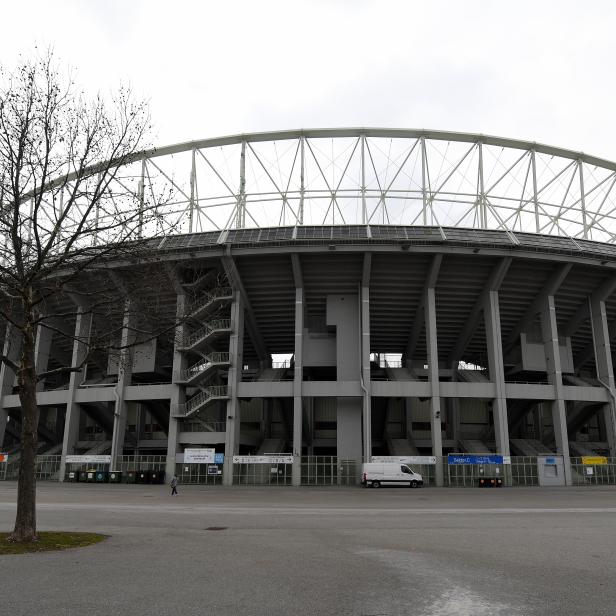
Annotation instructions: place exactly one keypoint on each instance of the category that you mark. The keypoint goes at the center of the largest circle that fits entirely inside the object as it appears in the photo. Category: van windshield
(406, 469)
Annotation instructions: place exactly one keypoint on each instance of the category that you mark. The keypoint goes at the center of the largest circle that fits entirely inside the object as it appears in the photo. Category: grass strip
(49, 542)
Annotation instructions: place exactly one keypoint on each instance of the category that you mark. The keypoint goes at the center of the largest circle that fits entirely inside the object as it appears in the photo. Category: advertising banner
(263, 459)
(458, 458)
(405, 459)
(199, 456)
(88, 459)
(594, 460)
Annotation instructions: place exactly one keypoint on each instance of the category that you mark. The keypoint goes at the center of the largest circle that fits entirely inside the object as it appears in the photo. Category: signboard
(88, 459)
(213, 470)
(459, 458)
(219, 458)
(4, 457)
(594, 460)
(405, 459)
(199, 456)
(263, 459)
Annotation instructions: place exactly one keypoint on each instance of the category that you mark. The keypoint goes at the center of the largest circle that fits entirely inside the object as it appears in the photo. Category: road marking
(155, 507)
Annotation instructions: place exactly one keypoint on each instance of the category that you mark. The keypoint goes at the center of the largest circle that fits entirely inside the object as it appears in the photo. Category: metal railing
(197, 401)
(585, 473)
(203, 426)
(207, 330)
(205, 474)
(46, 468)
(329, 471)
(210, 360)
(209, 297)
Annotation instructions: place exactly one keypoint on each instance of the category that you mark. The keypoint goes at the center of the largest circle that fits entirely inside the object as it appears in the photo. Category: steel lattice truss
(376, 176)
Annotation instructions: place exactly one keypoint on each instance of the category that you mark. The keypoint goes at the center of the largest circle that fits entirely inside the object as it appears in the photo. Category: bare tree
(68, 204)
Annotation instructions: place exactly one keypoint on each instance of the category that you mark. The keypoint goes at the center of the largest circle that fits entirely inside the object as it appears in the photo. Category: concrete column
(73, 410)
(549, 331)
(343, 312)
(236, 351)
(178, 393)
(497, 372)
(433, 374)
(605, 369)
(365, 371)
(11, 349)
(125, 368)
(297, 387)
(454, 408)
(42, 348)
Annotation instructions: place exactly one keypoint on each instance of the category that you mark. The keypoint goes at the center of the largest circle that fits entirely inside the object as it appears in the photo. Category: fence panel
(524, 471)
(269, 474)
(329, 471)
(199, 473)
(594, 470)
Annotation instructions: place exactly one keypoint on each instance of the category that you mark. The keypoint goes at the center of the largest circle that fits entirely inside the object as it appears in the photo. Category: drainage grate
(216, 528)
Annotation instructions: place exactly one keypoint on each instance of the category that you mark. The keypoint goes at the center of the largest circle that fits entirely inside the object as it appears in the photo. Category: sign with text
(457, 458)
(199, 456)
(405, 459)
(88, 459)
(263, 459)
(594, 460)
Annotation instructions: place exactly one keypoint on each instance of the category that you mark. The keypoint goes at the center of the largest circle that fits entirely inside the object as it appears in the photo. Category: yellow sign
(594, 460)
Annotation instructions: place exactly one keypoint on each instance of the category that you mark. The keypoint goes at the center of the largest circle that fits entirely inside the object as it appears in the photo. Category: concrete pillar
(549, 331)
(433, 377)
(73, 410)
(365, 371)
(11, 349)
(343, 313)
(605, 369)
(497, 372)
(42, 348)
(125, 368)
(178, 392)
(454, 409)
(236, 351)
(297, 387)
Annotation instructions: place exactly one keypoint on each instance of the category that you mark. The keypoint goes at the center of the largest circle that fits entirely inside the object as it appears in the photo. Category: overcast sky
(540, 70)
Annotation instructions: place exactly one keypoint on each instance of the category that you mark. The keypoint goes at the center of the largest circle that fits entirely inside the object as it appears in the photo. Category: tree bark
(25, 520)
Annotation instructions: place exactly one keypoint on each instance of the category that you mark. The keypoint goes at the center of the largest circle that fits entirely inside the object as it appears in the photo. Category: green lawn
(49, 541)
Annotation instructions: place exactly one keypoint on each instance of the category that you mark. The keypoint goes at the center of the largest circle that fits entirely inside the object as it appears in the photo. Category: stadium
(355, 294)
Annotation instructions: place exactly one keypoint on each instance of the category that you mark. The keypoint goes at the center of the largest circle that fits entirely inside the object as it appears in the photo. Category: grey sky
(541, 71)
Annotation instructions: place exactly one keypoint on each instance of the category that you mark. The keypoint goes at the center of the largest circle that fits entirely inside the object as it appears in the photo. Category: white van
(377, 474)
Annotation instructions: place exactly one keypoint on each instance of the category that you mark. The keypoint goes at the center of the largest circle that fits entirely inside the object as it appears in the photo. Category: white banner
(88, 459)
(263, 459)
(199, 456)
(405, 459)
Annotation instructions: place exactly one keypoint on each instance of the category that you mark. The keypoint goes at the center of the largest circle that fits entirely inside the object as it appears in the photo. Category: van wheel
(414, 484)
(376, 484)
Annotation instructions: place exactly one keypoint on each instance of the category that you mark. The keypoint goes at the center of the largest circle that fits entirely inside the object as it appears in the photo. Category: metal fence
(524, 471)
(46, 468)
(270, 474)
(586, 473)
(208, 474)
(329, 471)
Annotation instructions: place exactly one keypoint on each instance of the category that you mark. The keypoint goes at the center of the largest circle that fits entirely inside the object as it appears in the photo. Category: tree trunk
(25, 521)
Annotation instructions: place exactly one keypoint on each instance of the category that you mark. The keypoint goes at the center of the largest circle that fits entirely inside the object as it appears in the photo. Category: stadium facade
(355, 293)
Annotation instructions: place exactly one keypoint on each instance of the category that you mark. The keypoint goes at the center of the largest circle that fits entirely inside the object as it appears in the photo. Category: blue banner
(474, 459)
(219, 458)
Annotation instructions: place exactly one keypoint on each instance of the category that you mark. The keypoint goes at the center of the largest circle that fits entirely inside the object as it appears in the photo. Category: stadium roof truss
(372, 176)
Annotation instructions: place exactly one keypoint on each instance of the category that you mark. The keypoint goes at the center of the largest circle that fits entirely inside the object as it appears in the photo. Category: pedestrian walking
(174, 486)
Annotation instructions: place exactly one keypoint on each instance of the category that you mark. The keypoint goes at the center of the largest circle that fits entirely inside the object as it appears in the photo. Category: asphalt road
(313, 551)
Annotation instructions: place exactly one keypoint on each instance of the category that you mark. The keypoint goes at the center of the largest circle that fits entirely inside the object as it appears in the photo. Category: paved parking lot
(313, 551)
